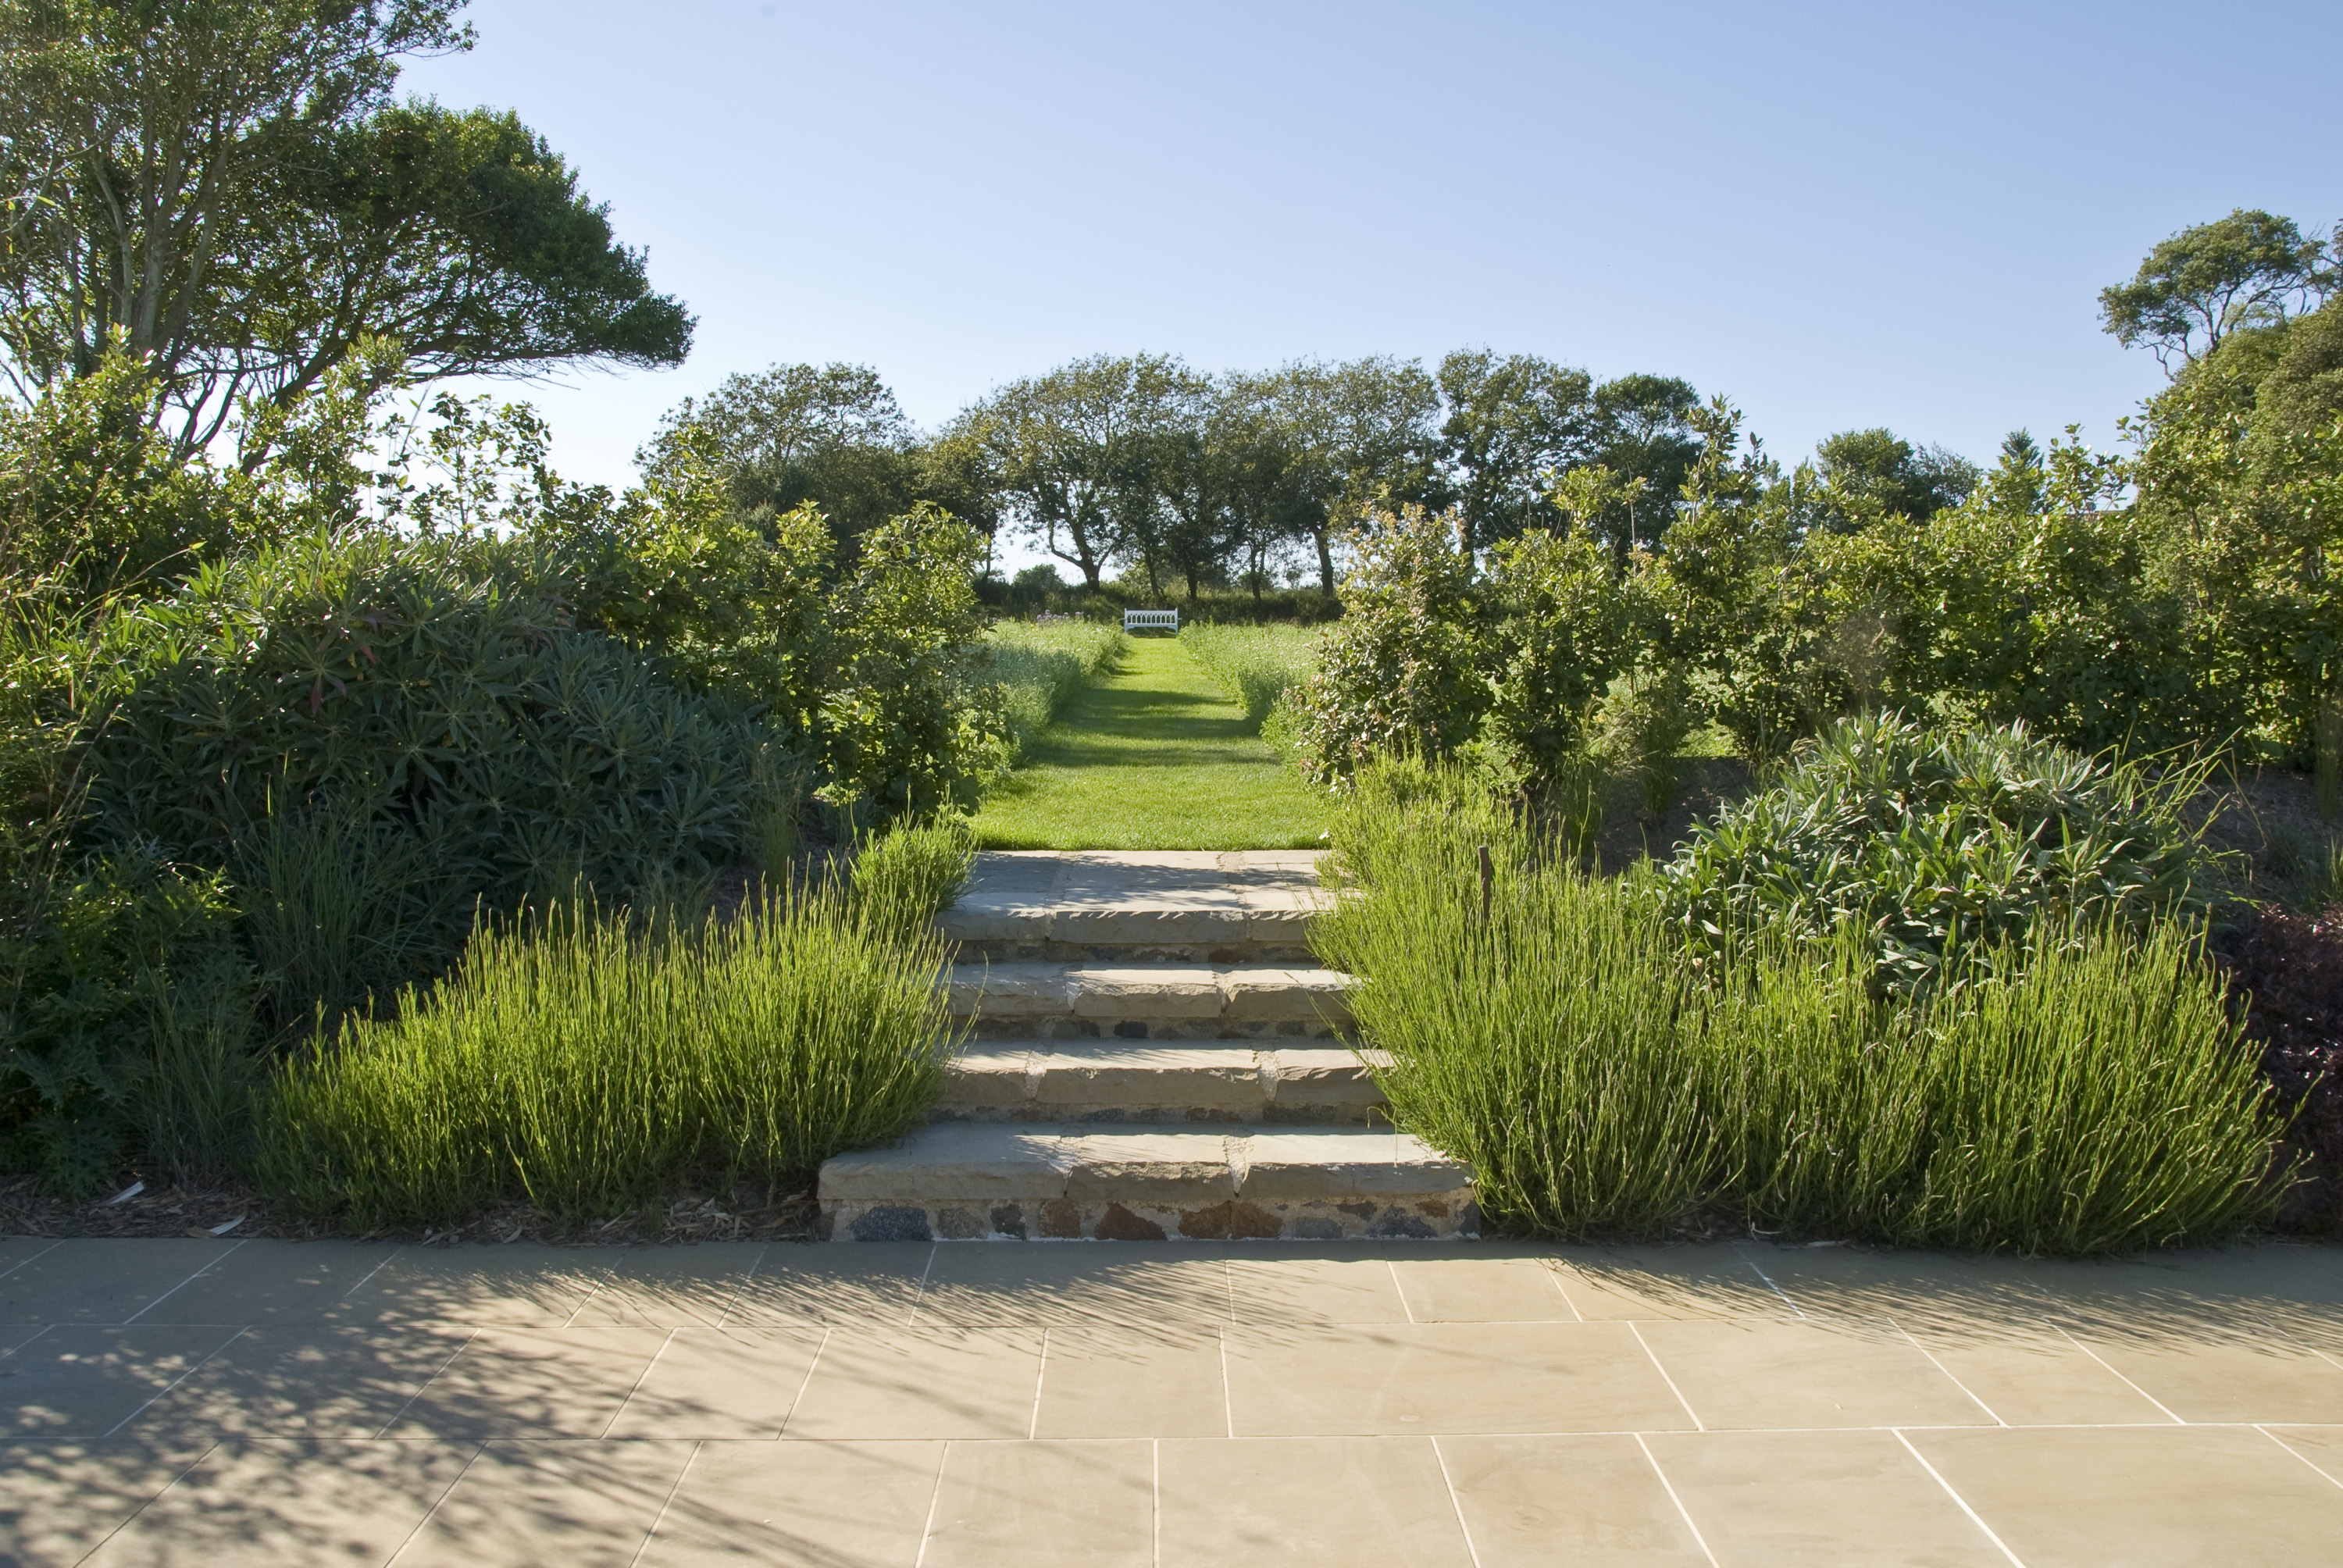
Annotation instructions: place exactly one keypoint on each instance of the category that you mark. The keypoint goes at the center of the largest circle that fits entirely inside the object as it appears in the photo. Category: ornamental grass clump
(2082, 1090)
(1261, 666)
(592, 1065)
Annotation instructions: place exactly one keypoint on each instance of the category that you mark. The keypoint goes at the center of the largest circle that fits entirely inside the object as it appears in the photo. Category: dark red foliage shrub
(2286, 975)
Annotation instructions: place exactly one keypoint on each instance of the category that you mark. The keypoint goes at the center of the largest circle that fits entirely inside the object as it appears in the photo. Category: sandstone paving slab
(2033, 1375)
(1300, 995)
(59, 1500)
(92, 1280)
(719, 1384)
(2239, 1376)
(1142, 991)
(1047, 1504)
(303, 1380)
(1916, 1291)
(1640, 1284)
(1592, 1502)
(1307, 1503)
(1758, 1373)
(1153, 1167)
(85, 1381)
(289, 1504)
(1426, 1379)
(929, 1383)
(1830, 1499)
(825, 1503)
(1341, 1162)
(267, 1280)
(669, 1287)
(2293, 1291)
(1182, 922)
(948, 1160)
(1122, 1072)
(803, 1283)
(515, 1383)
(1274, 1284)
(1478, 1289)
(1131, 1382)
(1322, 1075)
(531, 1505)
(986, 1073)
(2085, 1498)
(2321, 1447)
(18, 1249)
(522, 1283)
(1136, 1283)
(1010, 990)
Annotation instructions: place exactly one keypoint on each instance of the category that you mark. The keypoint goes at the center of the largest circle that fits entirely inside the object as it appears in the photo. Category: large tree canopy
(225, 189)
(2248, 270)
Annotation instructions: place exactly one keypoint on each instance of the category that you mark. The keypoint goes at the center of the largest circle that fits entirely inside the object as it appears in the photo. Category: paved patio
(1427, 1403)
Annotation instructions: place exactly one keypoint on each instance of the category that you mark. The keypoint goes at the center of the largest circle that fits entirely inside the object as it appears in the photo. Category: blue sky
(1837, 215)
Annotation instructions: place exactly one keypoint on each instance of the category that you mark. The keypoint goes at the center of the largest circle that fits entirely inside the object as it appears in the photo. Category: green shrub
(1261, 667)
(592, 1067)
(1039, 666)
(2085, 1092)
(1943, 846)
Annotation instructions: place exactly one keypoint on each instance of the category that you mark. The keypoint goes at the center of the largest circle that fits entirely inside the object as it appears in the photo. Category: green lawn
(1153, 756)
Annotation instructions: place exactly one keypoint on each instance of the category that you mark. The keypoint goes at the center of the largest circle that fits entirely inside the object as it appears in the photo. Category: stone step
(963, 1180)
(1149, 1002)
(1200, 906)
(1111, 1081)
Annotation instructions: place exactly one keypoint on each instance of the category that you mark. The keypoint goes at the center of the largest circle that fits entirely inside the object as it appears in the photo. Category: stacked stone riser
(1148, 1054)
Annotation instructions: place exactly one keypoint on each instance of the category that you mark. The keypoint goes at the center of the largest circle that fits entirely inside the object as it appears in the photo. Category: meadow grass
(1153, 756)
(2089, 1093)
(593, 1066)
(1041, 667)
(1256, 665)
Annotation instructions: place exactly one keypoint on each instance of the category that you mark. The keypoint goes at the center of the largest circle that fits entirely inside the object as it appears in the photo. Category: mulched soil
(158, 1208)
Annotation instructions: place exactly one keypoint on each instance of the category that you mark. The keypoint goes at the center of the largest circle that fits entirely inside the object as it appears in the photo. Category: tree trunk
(1325, 560)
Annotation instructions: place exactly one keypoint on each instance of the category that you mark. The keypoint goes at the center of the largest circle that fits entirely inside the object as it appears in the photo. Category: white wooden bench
(1150, 620)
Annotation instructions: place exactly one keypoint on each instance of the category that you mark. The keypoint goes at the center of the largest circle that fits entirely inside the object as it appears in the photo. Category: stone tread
(1037, 1075)
(1235, 993)
(977, 1162)
(1166, 898)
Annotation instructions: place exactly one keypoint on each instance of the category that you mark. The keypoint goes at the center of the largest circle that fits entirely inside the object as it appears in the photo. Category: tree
(224, 188)
(1063, 447)
(1868, 475)
(830, 434)
(1511, 423)
(2249, 268)
(1644, 430)
(1362, 432)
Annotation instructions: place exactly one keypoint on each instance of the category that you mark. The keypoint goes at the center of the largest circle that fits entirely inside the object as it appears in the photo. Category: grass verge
(1153, 756)
(1041, 667)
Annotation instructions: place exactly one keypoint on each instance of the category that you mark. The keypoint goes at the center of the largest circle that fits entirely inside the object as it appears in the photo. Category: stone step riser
(970, 1183)
(1035, 1081)
(1245, 1001)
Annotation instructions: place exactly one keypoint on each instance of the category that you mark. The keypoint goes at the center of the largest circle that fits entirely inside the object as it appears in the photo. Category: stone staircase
(1152, 1054)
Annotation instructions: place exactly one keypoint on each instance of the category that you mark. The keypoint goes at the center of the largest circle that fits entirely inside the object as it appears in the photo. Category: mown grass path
(1155, 757)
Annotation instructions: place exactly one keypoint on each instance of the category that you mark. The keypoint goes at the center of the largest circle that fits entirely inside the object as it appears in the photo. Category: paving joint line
(1771, 1285)
(1941, 1367)
(395, 1249)
(1455, 1502)
(420, 1388)
(176, 1381)
(35, 1258)
(436, 1504)
(1682, 1512)
(2060, 1329)
(2320, 1470)
(666, 1504)
(724, 1318)
(641, 1378)
(804, 1383)
(1651, 1355)
(935, 1502)
(1999, 1544)
(128, 1519)
(1040, 1371)
(183, 1285)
